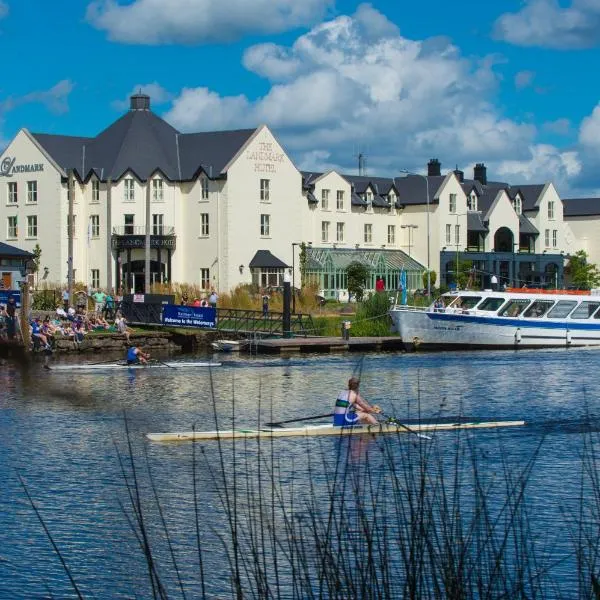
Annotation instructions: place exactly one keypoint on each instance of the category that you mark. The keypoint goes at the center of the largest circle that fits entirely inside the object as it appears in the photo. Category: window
(391, 238)
(551, 210)
(340, 200)
(95, 226)
(448, 235)
(452, 205)
(129, 193)
(585, 310)
(562, 309)
(547, 237)
(491, 304)
(74, 225)
(518, 206)
(457, 234)
(538, 309)
(204, 225)
(368, 233)
(340, 232)
(205, 279)
(95, 278)
(95, 190)
(391, 197)
(32, 226)
(204, 188)
(12, 192)
(324, 199)
(265, 225)
(264, 190)
(157, 190)
(12, 231)
(472, 202)
(32, 192)
(157, 224)
(324, 231)
(128, 220)
(555, 238)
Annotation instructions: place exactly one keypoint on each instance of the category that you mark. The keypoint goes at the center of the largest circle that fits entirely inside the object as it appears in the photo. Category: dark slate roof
(581, 207)
(413, 190)
(526, 226)
(143, 143)
(210, 149)
(13, 251)
(265, 260)
(529, 193)
(475, 222)
(380, 185)
(356, 200)
(311, 198)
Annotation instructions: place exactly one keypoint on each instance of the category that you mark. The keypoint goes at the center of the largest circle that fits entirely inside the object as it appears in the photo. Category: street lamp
(294, 244)
(457, 241)
(410, 228)
(406, 172)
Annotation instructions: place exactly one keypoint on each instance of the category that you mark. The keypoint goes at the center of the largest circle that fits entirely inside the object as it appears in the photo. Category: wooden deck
(325, 344)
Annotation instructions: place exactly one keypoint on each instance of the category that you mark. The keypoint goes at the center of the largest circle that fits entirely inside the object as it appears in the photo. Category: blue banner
(6, 294)
(403, 286)
(204, 317)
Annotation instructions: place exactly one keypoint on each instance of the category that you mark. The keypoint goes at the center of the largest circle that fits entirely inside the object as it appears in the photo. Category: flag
(403, 287)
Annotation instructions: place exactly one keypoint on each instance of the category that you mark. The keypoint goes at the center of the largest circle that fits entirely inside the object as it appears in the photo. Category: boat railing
(410, 307)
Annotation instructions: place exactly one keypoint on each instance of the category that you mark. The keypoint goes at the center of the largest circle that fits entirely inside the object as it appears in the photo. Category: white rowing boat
(325, 429)
(124, 365)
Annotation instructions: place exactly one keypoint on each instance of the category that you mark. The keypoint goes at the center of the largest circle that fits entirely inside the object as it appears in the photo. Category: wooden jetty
(325, 344)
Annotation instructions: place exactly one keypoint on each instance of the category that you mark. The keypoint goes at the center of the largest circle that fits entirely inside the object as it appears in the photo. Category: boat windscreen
(491, 304)
(538, 309)
(467, 302)
(562, 309)
(585, 310)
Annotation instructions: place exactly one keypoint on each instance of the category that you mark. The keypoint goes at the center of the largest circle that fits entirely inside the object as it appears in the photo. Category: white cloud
(559, 127)
(355, 80)
(545, 23)
(524, 79)
(55, 99)
(200, 21)
(158, 95)
(589, 131)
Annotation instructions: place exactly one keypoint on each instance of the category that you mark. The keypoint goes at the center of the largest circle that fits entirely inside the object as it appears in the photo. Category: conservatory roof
(319, 259)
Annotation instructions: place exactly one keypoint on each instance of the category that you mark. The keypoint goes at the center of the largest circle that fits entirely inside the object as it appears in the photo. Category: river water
(63, 442)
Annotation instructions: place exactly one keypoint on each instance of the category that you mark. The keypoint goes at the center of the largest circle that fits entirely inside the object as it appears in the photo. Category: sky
(512, 84)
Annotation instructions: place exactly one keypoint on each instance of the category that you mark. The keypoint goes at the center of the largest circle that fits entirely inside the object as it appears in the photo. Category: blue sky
(512, 83)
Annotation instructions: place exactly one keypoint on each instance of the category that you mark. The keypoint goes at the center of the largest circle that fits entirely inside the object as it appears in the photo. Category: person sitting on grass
(352, 409)
(135, 356)
(36, 334)
(121, 324)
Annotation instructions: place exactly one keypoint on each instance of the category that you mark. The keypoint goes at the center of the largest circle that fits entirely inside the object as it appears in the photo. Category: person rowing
(135, 356)
(352, 409)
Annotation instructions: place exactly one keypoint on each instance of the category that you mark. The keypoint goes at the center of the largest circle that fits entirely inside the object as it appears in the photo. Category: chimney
(460, 175)
(139, 102)
(434, 168)
(480, 173)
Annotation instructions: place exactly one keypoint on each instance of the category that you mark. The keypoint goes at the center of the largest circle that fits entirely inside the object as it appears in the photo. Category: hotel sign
(124, 242)
(265, 158)
(8, 168)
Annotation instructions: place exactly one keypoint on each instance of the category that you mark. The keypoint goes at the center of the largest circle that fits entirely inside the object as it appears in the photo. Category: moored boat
(228, 345)
(325, 430)
(509, 319)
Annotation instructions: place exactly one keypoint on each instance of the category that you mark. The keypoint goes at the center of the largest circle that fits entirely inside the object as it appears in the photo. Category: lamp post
(457, 241)
(406, 172)
(294, 244)
(27, 269)
(410, 228)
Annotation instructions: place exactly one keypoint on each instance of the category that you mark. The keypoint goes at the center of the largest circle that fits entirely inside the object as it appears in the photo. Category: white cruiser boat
(510, 319)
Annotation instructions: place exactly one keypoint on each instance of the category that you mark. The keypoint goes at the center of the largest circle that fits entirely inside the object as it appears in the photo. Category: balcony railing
(141, 230)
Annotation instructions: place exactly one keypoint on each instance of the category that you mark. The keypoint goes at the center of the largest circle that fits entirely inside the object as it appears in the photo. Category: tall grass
(374, 517)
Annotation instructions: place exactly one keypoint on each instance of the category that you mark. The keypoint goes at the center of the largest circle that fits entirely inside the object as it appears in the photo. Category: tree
(303, 263)
(37, 257)
(432, 279)
(582, 274)
(357, 274)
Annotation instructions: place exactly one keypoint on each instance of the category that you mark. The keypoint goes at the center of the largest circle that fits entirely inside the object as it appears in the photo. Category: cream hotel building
(230, 207)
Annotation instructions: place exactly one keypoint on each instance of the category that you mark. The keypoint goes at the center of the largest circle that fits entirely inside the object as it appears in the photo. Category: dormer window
(129, 190)
(472, 201)
(157, 190)
(203, 188)
(518, 205)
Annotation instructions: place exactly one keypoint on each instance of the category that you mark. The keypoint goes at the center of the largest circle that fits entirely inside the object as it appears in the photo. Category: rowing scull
(124, 365)
(326, 429)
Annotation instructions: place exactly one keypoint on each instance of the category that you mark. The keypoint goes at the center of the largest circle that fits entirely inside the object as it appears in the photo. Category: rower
(135, 356)
(352, 409)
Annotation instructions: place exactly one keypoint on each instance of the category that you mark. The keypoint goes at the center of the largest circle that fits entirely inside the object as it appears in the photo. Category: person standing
(380, 285)
(99, 298)
(265, 305)
(11, 320)
(352, 409)
(65, 299)
(212, 299)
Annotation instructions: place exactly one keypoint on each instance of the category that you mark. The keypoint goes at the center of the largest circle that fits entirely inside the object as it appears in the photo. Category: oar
(394, 421)
(164, 363)
(280, 423)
